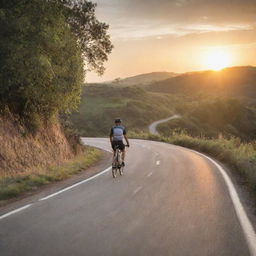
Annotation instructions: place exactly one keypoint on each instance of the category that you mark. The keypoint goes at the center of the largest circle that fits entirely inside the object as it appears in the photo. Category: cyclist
(117, 134)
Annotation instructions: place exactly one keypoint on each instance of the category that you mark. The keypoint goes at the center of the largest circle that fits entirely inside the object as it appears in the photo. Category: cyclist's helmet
(118, 120)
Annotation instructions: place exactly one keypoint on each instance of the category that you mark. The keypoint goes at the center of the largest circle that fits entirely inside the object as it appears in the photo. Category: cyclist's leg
(122, 148)
(114, 151)
(113, 156)
(123, 155)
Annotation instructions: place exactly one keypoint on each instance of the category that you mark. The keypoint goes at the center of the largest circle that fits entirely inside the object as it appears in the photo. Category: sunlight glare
(216, 59)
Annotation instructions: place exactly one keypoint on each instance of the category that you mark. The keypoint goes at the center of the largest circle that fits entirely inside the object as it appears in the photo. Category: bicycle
(117, 162)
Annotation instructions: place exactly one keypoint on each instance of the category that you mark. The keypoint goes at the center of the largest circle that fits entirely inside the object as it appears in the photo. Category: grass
(14, 186)
(239, 156)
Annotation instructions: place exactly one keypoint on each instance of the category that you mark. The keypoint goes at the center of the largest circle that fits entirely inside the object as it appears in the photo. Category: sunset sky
(177, 35)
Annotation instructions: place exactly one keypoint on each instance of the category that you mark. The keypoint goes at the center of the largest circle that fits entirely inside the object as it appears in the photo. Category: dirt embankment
(22, 152)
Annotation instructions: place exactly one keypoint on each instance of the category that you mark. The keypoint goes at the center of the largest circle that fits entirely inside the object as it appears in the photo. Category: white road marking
(75, 185)
(137, 190)
(15, 211)
(149, 174)
(157, 162)
(61, 191)
(240, 212)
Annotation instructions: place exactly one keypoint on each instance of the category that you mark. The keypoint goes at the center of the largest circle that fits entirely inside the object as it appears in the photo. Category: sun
(216, 59)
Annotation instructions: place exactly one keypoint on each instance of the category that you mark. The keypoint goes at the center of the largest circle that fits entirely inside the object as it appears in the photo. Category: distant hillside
(235, 81)
(211, 104)
(101, 104)
(144, 78)
(213, 117)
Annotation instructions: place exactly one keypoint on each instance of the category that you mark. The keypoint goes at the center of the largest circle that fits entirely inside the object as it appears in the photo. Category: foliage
(214, 117)
(45, 48)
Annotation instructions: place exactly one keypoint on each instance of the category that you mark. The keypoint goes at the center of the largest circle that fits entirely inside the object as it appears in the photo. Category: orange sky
(175, 35)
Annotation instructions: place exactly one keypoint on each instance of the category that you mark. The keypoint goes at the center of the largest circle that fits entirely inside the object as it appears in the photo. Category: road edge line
(14, 211)
(75, 185)
(245, 222)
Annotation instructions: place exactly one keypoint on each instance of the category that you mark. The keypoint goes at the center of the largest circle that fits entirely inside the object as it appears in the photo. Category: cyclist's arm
(111, 135)
(126, 139)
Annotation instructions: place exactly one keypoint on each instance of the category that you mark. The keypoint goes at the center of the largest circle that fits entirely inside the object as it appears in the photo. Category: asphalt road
(170, 201)
(153, 126)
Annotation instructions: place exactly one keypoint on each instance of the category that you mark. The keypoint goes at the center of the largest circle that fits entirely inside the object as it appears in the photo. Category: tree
(46, 48)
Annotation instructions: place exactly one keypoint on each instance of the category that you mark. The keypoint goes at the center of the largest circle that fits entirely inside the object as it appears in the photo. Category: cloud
(133, 19)
(183, 11)
(155, 35)
(146, 31)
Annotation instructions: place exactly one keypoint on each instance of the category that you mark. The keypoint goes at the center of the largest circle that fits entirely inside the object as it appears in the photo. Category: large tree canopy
(46, 46)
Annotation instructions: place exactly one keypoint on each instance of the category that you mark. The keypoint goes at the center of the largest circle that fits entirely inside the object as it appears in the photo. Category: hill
(214, 117)
(234, 82)
(143, 79)
(211, 103)
(101, 104)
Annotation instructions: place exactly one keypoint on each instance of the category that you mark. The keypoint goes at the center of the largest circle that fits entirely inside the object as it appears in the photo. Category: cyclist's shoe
(123, 164)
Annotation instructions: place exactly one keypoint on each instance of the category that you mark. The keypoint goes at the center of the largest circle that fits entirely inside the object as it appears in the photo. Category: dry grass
(15, 185)
(21, 151)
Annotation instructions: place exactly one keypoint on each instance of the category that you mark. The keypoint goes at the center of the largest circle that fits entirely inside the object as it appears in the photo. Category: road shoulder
(33, 196)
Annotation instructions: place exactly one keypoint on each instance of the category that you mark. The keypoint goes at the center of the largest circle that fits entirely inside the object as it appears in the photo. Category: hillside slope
(101, 104)
(21, 152)
(144, 78)
(208, 108)
(235, 81)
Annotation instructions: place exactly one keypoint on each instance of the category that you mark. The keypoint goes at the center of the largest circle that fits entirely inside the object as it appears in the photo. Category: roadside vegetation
(45, 55)
(16, 185)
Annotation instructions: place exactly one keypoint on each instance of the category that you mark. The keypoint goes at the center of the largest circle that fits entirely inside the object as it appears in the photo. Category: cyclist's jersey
(118, 132)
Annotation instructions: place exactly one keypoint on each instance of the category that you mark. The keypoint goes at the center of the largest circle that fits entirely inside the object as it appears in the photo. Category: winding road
(170, 201)
(153, 127)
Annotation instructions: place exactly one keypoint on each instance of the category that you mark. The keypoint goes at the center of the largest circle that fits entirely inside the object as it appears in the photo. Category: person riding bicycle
(116, 136)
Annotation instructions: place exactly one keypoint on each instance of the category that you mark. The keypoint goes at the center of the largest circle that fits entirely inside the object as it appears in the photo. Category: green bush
(44, 46)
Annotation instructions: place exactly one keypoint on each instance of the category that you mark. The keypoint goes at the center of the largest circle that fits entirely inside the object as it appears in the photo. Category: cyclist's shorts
(118, 143)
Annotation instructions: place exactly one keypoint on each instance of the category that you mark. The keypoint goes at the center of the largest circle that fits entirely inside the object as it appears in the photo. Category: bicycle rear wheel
(115, 165)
